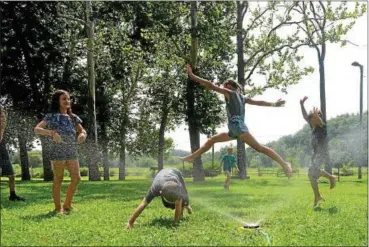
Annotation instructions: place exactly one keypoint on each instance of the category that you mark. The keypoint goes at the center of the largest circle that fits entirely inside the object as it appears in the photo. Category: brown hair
(55, 105)
(233, 84)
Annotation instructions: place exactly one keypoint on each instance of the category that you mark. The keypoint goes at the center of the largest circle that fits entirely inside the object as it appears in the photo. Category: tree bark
(241, 151)
(122, 152)
(162, 128)
(46, 162)
(24, 161)
(325, 147)
(93, 157)
(198, 171)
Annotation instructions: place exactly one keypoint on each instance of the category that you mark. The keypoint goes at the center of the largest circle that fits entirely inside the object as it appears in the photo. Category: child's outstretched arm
(279, 103)
(136, 213)
(304, 114)
(206, 83)
(178, 211)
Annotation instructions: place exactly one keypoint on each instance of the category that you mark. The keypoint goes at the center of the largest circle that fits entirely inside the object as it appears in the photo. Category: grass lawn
(283, 207)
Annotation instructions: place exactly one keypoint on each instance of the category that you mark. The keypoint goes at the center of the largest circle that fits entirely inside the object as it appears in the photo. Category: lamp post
(356, 64)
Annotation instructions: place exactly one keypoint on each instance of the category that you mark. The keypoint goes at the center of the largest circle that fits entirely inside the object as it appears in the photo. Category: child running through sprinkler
(228, 161)
(170, 186)
(235, 105)
(318, 159)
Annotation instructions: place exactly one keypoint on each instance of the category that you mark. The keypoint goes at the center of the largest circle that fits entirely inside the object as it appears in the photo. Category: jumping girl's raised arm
(304, 114)
(279, 103)
(206, 83)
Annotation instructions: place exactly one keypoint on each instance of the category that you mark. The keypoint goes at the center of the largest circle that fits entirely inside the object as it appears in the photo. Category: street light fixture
(356, 64)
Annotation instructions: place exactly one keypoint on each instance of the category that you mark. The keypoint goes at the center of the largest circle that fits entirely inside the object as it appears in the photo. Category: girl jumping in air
(235, 104)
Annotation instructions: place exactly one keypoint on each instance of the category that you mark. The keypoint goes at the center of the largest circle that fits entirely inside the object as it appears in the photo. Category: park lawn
(283, 207)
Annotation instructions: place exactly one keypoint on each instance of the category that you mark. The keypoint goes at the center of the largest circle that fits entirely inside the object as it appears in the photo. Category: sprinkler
(256, 226)
(252, 225)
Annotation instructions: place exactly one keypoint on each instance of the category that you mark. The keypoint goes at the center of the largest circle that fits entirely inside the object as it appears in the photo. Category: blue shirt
(64, 125)
(235, 105)
(229, 161)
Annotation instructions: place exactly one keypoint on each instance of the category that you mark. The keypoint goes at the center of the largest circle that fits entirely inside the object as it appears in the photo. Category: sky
(342, 93)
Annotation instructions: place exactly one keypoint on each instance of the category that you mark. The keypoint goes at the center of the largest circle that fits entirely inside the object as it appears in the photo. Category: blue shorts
(236, 127)
(62, 151)
(5, 164)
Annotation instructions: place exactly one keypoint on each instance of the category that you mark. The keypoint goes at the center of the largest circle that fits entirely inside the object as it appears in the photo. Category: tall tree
(31, 60)
(92, 142)
(262, 51)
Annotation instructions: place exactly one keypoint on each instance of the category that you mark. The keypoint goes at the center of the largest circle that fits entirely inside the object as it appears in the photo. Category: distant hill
(179, 152)
(344, 136)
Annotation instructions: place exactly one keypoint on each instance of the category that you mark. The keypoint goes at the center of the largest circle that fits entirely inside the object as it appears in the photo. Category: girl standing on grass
(235, 104)
(61, 126)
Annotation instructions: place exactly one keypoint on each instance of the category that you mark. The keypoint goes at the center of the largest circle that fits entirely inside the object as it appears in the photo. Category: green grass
(284, 208)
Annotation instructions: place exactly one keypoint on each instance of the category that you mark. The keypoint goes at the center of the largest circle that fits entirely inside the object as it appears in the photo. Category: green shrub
(84, 171)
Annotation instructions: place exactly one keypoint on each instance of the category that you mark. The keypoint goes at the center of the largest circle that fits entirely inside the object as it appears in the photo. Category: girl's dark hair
(55, 105)
(234, 84)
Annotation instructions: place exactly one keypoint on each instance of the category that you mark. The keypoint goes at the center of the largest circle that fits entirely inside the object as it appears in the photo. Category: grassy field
(283, 208)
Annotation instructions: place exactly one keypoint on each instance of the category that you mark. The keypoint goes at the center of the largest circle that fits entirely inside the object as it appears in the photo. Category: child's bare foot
(189, 209)
(69, 208)
(317, 200)
(288, 170)
(59, 211)
(332, 181)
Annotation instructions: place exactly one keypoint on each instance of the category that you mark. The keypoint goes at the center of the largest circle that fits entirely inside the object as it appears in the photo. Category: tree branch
(253, 22)
(324, 13)
(72, 18)
(134, 83)
(165, 29)
(245, 6)
(271, 52)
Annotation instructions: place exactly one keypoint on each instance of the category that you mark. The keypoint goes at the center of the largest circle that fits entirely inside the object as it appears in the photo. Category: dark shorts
(318, 161)
(5, 164)
(172, 205)
(62, 151)
(167, 204)
(236, 127)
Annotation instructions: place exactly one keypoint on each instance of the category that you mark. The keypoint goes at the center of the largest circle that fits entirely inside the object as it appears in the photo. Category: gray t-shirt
(165, 175)
(235, 105)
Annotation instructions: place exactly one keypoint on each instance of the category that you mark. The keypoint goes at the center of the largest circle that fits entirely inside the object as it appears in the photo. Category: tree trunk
(198, 171)
(106, 162)
(122, 152)
(328, 167)
(24, 161)
(241, 151)
(122, 159)
(93, 160)
(163, 125)
(105, 152)
(103, 116)
(46, 162)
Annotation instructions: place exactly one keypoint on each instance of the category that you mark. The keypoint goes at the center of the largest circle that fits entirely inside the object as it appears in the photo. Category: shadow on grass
(331, 211)
(165, 222)
(42, 216)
